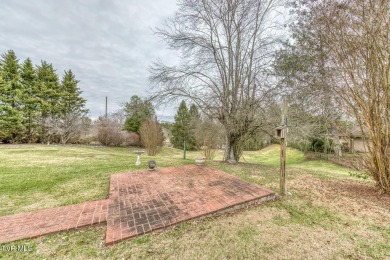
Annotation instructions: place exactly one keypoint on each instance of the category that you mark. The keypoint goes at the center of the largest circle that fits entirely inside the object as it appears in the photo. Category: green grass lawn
(331, 213)
(34, 177)
(270, 156)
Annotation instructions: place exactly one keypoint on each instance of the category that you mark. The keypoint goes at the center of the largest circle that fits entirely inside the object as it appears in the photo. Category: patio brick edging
(205, 216)
(33, 224)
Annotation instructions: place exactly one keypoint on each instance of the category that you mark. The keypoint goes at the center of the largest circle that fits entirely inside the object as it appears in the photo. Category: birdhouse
(280, 132)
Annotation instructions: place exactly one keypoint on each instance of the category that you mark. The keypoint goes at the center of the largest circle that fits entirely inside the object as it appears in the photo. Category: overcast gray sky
(107, 44)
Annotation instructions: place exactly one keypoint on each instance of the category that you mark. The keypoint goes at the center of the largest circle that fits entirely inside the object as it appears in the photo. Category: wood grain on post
(283, 190)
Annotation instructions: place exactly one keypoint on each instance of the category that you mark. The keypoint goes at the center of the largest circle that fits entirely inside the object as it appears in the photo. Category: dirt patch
(356, 189)
(253, 235)
(247, 165)
(356, 199)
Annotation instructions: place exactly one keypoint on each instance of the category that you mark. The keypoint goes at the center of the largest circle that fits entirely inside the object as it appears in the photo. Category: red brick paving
(144, 201)
(140, 202)
(48, 221)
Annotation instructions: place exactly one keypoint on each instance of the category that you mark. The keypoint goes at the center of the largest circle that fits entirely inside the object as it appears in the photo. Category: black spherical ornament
(152, 165)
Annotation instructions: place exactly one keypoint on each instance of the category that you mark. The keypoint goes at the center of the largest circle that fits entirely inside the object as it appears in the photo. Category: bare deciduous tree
(357, 33)
(226, 48)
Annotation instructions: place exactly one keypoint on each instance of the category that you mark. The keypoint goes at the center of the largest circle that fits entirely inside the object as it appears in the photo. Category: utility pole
(106, 108)
(283, 142)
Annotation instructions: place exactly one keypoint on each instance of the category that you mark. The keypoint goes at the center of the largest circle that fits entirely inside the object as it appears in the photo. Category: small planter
(200, 161)
(151, 165)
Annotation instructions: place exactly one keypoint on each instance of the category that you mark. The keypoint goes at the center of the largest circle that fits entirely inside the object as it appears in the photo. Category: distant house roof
(355, 132)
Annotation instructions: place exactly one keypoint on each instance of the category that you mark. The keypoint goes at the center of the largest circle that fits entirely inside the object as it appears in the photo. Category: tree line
(196, 131)
(36, 105)
(334, 70)
(136, 124)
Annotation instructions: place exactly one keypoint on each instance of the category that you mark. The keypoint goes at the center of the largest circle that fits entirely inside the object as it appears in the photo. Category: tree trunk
(231, 153)
(64, 139)
(336, 141)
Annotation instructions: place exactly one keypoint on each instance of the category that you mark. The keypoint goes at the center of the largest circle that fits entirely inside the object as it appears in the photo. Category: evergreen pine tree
(30, 100)
(34, 104)
(194, 113)
(5, 108)
(48, 89)
(71, 100)
(137, 111)
(195, 120)
(181, 129)
(10, 98)
(49, 96)
(69, 122)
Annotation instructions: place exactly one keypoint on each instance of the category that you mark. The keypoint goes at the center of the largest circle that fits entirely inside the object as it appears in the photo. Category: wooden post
(185, 148)
(283, 190)
(283, 166)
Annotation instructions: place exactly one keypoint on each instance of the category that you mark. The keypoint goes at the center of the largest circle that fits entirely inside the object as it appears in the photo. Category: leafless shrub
(109, 131)
(152, 136)
(209, 136)
(357, 33)
(65, 129)
(131, 139)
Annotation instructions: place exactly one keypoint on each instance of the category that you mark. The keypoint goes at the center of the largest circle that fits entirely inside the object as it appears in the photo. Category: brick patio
(49, 221)
(142, 201)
